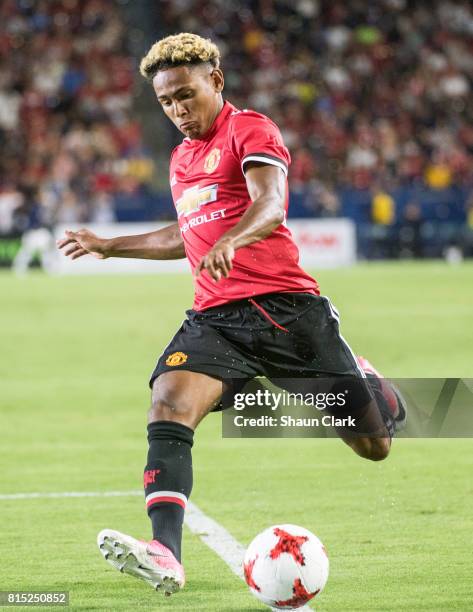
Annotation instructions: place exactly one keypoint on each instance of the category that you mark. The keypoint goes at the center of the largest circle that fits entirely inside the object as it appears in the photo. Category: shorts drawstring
(267, 315)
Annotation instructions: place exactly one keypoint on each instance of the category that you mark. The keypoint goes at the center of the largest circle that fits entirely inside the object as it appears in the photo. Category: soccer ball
(285, 566)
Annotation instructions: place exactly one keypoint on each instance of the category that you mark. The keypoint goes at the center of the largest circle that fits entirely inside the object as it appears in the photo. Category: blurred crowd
(69, 141)
(369, 96)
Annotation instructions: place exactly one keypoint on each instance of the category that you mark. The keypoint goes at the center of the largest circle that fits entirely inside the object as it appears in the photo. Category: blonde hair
(179, 50)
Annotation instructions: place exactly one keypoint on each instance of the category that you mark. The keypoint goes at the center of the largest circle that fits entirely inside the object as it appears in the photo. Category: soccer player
(256, 312)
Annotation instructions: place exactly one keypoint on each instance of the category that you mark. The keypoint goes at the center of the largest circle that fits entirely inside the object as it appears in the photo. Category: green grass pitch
(75, 357)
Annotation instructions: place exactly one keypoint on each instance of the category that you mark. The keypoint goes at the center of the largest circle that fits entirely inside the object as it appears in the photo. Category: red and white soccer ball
(285, 566)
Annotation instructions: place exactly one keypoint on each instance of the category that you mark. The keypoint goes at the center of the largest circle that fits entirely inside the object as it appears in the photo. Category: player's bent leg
(387, 394)
(180, 400)
(369, 423)
(375, 449)
(392, 408)
(371, 437)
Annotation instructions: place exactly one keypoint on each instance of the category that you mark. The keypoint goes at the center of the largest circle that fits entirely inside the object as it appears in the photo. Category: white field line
(216, 537)
(71, 494)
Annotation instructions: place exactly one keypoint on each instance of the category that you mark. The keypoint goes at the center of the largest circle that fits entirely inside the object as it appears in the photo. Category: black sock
(383, 405)
(168, 480)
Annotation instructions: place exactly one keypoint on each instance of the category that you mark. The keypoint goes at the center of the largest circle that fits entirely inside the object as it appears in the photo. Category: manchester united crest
(176, 359)
(212, 160)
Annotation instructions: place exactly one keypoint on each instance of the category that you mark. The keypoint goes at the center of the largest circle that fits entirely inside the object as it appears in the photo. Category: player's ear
(217, 78)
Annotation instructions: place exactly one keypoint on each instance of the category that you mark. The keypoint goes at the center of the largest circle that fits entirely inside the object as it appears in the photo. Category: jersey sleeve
(254, 137)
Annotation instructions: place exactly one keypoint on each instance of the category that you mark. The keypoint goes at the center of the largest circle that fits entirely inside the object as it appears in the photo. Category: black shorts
(279, 335)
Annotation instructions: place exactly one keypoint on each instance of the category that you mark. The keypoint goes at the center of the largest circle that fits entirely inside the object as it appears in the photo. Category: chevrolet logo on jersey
(193, 198)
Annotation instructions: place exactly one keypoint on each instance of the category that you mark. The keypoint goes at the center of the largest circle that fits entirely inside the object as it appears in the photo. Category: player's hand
(218, 261)
(83, 242)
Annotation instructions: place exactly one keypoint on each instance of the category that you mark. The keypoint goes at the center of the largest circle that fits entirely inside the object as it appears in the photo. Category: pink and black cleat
(390, 392)
(150, 561)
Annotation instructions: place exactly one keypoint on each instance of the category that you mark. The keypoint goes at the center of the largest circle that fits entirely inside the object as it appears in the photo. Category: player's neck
(219, 108)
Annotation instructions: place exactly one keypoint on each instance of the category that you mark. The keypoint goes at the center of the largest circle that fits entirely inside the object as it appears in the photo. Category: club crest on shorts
(176, 359)
(212, 160)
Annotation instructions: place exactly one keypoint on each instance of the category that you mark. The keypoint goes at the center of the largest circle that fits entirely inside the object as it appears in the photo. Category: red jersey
(210, 195)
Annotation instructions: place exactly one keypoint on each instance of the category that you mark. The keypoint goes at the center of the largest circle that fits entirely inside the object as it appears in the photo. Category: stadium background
(374, 100)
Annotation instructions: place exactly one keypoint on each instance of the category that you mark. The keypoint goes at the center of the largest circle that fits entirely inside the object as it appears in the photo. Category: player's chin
(193, 132)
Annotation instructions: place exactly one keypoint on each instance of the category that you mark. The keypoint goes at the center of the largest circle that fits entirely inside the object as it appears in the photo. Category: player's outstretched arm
(267, 189)
(165, 243)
